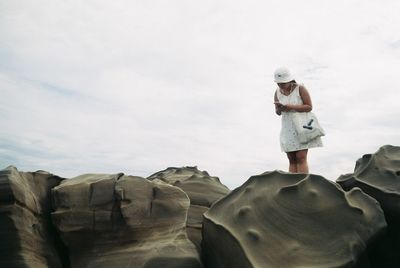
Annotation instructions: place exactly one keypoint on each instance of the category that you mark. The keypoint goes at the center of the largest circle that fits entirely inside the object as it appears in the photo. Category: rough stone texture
(287, 220)
(203, 190)
(27, 237)
(378, 175)
(123, 221)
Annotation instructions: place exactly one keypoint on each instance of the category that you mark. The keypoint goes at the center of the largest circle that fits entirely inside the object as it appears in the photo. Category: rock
(203, 190)
(378, 175)
(27, 237)
(123, 221)
(279, 219)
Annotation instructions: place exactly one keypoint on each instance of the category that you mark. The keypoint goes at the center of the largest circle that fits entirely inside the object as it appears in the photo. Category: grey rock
(27, 237)
(203, 191)
(279, 219)
(378, 175)
(123, 221)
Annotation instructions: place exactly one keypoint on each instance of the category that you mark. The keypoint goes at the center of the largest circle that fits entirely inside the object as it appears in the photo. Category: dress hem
(305, 148)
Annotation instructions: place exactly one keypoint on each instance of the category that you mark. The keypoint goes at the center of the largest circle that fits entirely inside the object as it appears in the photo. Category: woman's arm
(305, 107)
(278, 106)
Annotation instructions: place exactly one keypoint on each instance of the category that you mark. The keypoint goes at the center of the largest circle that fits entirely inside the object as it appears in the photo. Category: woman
(290, 98)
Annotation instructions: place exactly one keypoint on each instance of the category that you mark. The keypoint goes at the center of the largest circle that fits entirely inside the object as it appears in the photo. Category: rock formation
(378, 175)
(27, 237)
(123, 221)
(275, 219)
(203, 190)
(287, 220)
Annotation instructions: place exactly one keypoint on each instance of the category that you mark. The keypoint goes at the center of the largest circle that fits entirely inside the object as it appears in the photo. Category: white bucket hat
(283, 75)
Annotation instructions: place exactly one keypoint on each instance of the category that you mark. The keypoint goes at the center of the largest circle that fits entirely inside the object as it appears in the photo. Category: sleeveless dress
(288, 136)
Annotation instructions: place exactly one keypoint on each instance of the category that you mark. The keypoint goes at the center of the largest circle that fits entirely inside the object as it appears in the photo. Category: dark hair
(291, 81)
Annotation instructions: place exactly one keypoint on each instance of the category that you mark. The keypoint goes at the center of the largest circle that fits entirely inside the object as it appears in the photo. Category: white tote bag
(307, 126)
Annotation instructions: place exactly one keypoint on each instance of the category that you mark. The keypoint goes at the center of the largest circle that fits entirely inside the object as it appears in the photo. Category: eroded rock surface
(203, 190)
(27, 237)
(378, 175)
(287, 220)
(123, 221)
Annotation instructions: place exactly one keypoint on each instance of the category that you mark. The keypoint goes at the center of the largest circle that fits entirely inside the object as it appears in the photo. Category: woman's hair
(293, 81)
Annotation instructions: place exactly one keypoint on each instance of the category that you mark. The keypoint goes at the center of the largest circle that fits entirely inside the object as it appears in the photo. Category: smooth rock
(27, 237)
(203, 191)
(123, 221)
(378, 175)
(279, 219)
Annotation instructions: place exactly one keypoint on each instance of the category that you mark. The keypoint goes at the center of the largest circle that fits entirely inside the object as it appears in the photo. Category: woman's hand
(286, 108)
(278, 108)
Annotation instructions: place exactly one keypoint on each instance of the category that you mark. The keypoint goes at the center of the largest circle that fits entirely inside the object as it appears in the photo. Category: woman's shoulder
(300, 84)
(302, 88)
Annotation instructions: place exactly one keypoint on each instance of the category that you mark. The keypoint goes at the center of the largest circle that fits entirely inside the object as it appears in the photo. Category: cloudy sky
(139, 86)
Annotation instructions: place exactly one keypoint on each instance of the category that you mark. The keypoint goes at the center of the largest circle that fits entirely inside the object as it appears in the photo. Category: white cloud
(137, 86)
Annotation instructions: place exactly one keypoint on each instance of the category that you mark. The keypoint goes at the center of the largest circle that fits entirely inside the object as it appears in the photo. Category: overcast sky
(138, 86)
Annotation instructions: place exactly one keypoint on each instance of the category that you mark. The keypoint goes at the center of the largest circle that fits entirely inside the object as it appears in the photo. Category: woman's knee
(292, 157)
(301, 156)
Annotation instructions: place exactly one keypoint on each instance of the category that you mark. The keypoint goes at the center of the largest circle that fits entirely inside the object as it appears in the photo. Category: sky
(100, 86)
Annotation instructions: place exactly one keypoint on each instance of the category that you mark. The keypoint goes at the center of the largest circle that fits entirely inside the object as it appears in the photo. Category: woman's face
(284, 85)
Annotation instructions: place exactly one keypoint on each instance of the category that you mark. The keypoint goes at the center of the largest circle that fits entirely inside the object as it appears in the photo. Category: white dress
(288, 136)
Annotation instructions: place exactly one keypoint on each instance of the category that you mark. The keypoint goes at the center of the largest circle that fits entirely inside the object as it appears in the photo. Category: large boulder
(203, 190)
(27, 237)
(123, 221)
(279, 219)
(378, 175)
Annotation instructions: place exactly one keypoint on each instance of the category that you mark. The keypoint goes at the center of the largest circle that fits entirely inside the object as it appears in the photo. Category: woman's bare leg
(301, 159)
(292, 162)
